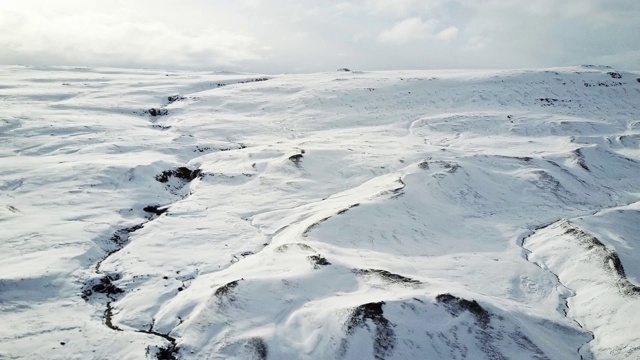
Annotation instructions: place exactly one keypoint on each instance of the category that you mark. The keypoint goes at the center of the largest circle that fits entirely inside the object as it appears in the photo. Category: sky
(293, 36)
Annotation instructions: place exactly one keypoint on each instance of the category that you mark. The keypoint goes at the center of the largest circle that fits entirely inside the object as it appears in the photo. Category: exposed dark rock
(456, 305)
(306, 232)
(258, 347)
(203, 149)
(385, 338)
(614, 260)
(388, 276)
(610, 259)
(156, 209)
(519, 158)
(603, 83)
(104, 286)
(243, 81)
(296, 159)
(285, 247)
(157, 112)
(226, 289)
(552, 101)
(448, 166)
(347, 209)
(614, 75)
(526, 344)
(182, 172)
(318, 261)
(253, 80)
(168, 352)
(580, 158)
(174, 98)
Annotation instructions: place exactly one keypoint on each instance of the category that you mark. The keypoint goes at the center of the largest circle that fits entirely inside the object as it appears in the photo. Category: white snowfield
(340, 215)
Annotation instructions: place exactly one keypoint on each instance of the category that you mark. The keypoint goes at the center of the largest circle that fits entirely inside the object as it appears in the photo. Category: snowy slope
(347, 215)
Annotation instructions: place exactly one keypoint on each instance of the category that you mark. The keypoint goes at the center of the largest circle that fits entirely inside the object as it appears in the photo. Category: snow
(353, 215)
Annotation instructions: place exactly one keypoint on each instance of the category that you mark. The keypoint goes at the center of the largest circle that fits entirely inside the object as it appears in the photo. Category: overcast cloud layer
(277, 36)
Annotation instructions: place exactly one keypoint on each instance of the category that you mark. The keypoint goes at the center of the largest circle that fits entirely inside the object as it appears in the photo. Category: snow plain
(341, 215)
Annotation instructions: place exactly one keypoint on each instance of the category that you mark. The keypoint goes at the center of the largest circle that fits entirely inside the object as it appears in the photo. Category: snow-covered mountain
(341, 215)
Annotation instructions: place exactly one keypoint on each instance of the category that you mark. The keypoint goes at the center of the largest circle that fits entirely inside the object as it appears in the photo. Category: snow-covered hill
(346, 215)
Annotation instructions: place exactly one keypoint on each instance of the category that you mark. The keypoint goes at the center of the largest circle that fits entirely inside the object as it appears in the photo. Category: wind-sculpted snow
(347, 215)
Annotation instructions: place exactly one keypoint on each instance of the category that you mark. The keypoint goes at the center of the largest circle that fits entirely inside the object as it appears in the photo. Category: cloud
(408, 30)
(476, 43)
(448, 34)
(107, 40)
(304, 36)
(401, 8)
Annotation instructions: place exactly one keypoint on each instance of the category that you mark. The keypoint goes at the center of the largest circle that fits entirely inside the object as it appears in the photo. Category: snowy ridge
(382, 215)
(601, 293)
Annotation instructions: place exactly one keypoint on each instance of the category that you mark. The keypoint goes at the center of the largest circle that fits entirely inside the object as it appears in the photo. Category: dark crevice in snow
(120, 239)
(167, 352)
(107, 287)
(108, 315)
